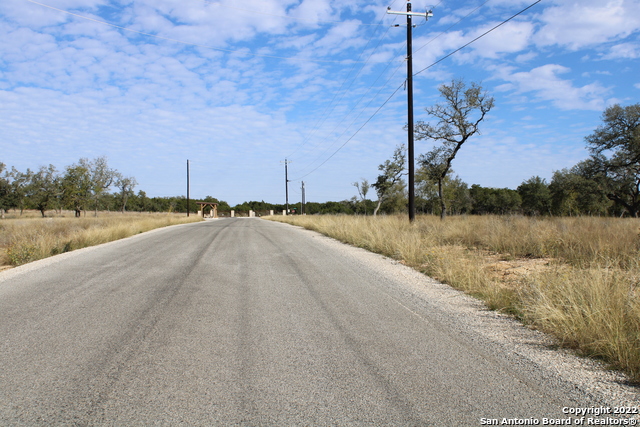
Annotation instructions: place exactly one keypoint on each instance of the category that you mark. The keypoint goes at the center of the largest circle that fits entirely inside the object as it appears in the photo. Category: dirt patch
(511, 273)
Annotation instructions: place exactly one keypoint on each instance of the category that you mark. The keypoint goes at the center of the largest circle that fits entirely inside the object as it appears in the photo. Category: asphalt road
(246, 322)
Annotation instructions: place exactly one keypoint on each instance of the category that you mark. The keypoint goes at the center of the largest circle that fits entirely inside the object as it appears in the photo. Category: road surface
(249, 322)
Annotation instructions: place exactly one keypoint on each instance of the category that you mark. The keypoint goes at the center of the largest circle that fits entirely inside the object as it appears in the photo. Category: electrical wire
(396, 91)
(356, 105)
(359, 114)
(352, 136)
(478, 38)
(356, 118)
(327, 112)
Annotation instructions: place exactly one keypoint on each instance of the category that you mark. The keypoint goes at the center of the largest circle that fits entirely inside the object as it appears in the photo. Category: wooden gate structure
(214, 208)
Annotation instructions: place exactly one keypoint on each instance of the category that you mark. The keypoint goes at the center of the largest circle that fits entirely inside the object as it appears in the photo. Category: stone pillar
(233, 214)
(284, 212)
(271, 213)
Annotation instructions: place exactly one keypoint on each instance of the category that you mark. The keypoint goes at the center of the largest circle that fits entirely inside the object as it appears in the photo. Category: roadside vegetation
(577, 278)
(28, 238)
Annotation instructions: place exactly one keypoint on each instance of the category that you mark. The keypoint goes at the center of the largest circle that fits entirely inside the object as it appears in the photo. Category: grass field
(29, 237)
(575, 278)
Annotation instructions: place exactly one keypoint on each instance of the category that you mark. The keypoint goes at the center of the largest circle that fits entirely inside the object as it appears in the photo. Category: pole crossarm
(426, 14)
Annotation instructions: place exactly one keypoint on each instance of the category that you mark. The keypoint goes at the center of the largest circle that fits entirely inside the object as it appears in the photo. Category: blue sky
(237, 87)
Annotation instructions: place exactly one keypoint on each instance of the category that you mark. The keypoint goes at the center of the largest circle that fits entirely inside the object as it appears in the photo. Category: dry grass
(31, 238)
(576, 278)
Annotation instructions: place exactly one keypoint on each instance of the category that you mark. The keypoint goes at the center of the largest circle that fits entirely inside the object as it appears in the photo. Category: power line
(391, 96)
(479, 37)
(410, 136)
(327, 112)
(331, 106)
(358, 116)
(357, 103)
(352, 136)
(362, 111)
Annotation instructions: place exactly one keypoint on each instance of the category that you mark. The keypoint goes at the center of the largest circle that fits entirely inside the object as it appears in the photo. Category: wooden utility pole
(286, 183)
(187, 187)
(303, 202)
(410, 153)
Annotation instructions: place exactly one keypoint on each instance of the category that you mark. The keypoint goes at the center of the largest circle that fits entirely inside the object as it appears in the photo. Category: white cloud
(340, 37)
(512, 37)
(546, 85)
(623, 51)
(313, 11)
(576, 25)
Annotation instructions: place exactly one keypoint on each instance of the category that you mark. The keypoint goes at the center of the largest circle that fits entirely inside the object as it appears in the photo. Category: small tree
(102, 177)
(390, 180)
(43, 188)
(19, 186)
(458, 119)
(454, 191)
(125, 184)
(76, 188)
(615, 149)
(363, 189)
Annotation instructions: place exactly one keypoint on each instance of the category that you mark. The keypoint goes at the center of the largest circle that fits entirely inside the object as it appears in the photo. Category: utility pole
(286, 183)
(409, 14)
(303, 200)
(187, 187)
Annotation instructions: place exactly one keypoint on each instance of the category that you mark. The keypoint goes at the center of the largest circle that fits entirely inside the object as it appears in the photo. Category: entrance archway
(213, 206)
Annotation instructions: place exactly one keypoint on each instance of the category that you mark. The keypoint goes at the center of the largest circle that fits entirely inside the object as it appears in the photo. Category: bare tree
(125, 184)
(458, 118)
(363, 189)
(102, 177)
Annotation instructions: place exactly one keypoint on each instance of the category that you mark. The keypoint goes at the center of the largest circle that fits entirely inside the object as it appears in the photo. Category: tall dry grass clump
(595, 310)
(30, 239)
(576, 278)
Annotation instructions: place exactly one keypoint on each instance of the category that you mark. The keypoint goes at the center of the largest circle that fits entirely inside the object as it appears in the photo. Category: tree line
(92, 185)
(88, 185)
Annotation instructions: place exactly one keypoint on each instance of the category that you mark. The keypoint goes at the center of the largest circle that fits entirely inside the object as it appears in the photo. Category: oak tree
(615, 154)
(456, 120)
